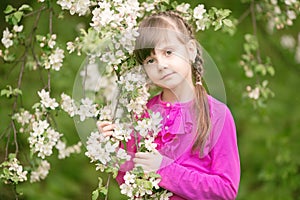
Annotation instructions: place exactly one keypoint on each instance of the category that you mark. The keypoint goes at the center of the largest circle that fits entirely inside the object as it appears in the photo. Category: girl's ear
(192, 50)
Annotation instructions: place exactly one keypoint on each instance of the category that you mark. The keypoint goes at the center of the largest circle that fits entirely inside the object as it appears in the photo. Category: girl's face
(169, 66)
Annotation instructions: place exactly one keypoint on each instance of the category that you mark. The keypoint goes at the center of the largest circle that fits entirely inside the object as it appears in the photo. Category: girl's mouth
(167, 75)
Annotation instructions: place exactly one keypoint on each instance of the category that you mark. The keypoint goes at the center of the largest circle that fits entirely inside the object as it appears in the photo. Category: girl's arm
(223, 179)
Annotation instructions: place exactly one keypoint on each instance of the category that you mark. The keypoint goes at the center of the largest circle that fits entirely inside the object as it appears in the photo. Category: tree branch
(254, 25)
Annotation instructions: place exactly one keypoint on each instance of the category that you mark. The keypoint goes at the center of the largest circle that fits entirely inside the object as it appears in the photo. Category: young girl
(197, 155)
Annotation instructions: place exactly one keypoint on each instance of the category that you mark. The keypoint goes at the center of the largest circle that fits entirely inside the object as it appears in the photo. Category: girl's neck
(172, 96)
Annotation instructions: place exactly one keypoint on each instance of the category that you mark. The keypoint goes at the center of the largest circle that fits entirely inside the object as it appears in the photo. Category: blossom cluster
(139, 185)
(41, 172)
(255, 68)
(204, 19)
(134, 93)
(105, 152)
(278, 15)
(85, 109)
(81, 7)
(7, 38)
(43, 138)
(52, 57)
(13, 171)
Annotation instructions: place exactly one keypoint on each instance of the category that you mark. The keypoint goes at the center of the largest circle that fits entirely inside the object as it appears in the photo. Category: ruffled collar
(177, 119)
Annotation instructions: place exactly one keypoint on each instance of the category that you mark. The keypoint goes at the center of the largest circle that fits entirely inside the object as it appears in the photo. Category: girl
(197, 154)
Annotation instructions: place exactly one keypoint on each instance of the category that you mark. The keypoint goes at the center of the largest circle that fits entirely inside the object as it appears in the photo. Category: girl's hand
(150, 162)
(106, 127)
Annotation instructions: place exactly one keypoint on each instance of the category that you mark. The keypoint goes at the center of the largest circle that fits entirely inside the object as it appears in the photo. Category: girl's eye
(168, 52)
(150, 61)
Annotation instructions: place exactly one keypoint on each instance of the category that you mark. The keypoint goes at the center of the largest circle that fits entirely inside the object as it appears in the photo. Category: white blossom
(96, 150)
(52, 42)
(68, 105)
(199, 11)
(288, 42)
(122, 154)
(150, 145)
(7, 38)
(81, 7)
(15, 171)
(70, 47)
(290, 2)
(143, 127)
(55, 59)
(23, 117)
(65, 4)
(291, 14)
(129, 178)
(41, 172)
(200, 25)
(87, 109)
(155, 122)
(46, 101)
(183, 7)
(17, 28)
(253, 93)
(64, 151)
(42, 139)
(122, 132)
(126, 190)
(105, 113)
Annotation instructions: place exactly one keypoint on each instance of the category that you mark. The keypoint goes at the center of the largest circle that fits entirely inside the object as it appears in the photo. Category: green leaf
(228, 22)
(17, 16)
(103, 190)
(271, 70)
(36, 105)
(17, 91)
(9, 9)
(9, 57)
(25, 7)
(261, 68)
(95, 194)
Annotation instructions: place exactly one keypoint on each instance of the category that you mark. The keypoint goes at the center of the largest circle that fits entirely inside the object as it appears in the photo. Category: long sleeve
(219, 181)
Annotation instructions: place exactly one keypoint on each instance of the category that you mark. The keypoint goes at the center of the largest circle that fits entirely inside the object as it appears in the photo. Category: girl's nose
(161, 63)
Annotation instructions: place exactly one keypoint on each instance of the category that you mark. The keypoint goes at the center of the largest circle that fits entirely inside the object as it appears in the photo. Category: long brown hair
(145, 44)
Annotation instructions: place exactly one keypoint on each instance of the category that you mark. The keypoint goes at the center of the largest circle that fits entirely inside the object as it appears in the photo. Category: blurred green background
(268, 138)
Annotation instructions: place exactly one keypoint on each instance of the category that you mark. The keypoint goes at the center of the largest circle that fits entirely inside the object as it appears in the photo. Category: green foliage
(10, 92)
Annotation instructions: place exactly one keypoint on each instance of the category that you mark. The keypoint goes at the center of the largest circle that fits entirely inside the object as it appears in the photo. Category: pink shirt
(214, 175)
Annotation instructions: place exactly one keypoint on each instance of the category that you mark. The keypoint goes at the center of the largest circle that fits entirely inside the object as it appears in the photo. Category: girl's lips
(167, 75)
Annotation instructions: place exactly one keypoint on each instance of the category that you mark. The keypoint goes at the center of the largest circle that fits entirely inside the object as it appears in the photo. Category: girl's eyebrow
(167, 47)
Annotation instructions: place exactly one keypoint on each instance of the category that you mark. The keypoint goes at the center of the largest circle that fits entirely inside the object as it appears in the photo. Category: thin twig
(15, 191)
(254, 25)
(20, 80)
(50, 32)
(6, 148)
(107, 185)
(36, 11)
(5, 131)
(243, 16)
(15, 137)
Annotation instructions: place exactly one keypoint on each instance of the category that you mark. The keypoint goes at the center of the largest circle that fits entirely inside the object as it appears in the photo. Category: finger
(102, 124)
(108, 133)
(142, 155)
(138, 161)
(110, 127)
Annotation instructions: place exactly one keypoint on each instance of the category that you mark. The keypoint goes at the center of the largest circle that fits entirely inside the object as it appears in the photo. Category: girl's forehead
(174, 43)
